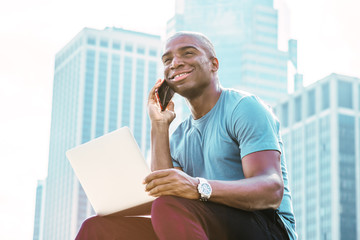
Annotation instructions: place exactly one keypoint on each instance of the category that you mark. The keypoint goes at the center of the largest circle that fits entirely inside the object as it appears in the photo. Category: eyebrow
(180, 49)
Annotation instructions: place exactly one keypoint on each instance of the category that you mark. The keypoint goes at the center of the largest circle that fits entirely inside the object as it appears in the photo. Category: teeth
(181, 74)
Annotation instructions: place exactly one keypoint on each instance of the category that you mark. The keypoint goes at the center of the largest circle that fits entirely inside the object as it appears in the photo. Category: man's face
(187, 66)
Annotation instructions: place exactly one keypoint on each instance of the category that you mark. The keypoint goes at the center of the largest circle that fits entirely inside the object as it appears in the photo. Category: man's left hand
(171, 182)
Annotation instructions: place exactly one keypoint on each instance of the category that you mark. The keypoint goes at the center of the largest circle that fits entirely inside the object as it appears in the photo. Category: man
(222, 175)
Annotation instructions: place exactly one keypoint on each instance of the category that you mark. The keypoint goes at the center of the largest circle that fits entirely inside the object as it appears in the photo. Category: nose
(176, 62)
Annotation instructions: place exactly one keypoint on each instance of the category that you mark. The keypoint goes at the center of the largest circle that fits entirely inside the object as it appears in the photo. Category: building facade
(101, 82)
(321, 134)
(245, 37)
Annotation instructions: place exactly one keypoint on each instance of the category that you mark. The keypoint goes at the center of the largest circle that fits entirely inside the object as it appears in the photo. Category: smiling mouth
(180, 76)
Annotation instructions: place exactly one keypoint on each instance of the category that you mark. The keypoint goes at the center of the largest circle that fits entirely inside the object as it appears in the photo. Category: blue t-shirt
(213, 146)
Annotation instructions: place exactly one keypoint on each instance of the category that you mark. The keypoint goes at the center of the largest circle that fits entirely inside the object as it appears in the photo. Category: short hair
(199, 36)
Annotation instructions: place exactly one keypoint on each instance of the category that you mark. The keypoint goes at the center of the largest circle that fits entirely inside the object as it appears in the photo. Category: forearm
(160, 147)
(255, 193)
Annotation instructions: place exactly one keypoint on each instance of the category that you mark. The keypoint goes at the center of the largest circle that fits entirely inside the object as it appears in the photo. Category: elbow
(277, 193)
(276, 203)
(270, 196)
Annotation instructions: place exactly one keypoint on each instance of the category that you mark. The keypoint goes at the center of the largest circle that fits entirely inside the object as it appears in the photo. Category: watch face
(205, 189)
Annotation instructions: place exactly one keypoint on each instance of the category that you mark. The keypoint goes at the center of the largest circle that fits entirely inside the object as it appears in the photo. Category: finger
(173, 192)
(171, 106)
(152, 91)
(165, 189)
(157, 174)
(157, 182)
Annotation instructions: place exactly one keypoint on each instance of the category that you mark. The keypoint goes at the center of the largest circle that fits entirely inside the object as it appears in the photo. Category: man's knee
(164, 200)
(165, 204)
(176, 218)
(91, 222)
(89, 228)
(169, 209)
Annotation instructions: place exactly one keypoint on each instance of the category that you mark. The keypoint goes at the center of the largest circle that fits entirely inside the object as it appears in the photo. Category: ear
(214, 64)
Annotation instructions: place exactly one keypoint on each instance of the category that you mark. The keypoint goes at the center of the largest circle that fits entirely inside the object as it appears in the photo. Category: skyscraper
(101, 82)
(321, 134)
(245, 36)
(39, 210)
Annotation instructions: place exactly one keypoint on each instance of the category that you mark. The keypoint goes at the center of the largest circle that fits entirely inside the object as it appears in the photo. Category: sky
(33, 31)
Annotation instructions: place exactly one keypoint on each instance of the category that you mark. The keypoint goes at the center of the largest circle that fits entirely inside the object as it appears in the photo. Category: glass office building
(321, 134)
(39, 210)
(101, 82)
(245, 37)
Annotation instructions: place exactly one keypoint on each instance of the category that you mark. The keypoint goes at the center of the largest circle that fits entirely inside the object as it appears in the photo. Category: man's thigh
(240, 224)
(116, 227)
(217, 221)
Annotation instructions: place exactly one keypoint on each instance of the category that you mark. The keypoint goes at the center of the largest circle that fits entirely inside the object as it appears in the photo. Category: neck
(203, 103)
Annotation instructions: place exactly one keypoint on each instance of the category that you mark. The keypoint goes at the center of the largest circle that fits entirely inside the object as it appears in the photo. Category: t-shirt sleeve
(254, 126)
(175, 163)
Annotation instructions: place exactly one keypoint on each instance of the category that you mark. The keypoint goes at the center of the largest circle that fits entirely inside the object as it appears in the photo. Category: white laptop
(111, 170)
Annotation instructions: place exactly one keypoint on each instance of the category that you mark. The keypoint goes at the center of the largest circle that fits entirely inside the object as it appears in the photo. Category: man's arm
(262, 187)
(160, 122)
(160, 150)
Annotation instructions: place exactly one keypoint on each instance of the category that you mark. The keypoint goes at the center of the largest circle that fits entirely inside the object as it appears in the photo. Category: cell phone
(164, 94)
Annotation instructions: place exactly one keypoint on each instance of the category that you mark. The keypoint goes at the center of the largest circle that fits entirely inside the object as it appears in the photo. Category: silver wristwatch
(204, 189)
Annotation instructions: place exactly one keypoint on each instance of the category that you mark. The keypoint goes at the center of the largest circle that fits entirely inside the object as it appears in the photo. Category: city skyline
(25, 91)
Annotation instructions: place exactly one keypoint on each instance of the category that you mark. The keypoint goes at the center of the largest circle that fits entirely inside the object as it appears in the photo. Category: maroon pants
(178, 218)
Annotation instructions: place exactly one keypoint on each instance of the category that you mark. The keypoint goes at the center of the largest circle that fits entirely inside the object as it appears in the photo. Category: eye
(166, 61)
(188, 53)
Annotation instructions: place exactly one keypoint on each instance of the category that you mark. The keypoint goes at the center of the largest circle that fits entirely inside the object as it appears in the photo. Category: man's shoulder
(234, 97)
(242, 96)
(235, 93)
(244, 105)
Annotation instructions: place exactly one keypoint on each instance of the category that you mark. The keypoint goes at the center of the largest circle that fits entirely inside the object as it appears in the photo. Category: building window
(128, 48)
(88, 95)
(140, 50)
(139, 99)
(359, 97)
(152, 52)
(114, 92)
(91, 41)
(285, 114)
(297, 109)
(126, 97)
(116, 45)
(311, 108)
(325, 90)
(101, 94)
(346, 134)
(152, 66)
(345, 94)
(104, 43)
(347, 176)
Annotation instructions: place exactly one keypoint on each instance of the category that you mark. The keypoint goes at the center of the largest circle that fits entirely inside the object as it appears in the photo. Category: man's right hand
(155, 113)
(160, 122)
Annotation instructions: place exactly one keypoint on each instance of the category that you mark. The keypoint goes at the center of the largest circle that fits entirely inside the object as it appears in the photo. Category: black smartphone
(164, 94)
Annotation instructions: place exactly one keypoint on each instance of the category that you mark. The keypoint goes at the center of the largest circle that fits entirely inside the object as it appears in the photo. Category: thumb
(171, 106)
